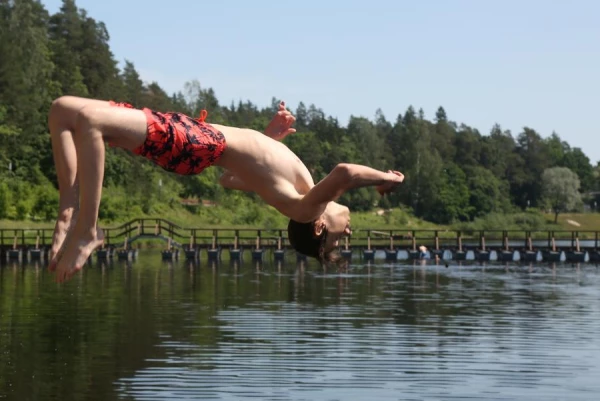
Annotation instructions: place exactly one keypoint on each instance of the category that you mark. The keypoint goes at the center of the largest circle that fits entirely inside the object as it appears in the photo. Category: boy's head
(320, 238)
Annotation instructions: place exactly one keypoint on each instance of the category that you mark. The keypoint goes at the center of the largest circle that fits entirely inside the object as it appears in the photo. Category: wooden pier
(126, 241)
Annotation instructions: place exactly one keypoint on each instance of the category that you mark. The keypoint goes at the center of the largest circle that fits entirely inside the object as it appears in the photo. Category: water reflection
(173, 330)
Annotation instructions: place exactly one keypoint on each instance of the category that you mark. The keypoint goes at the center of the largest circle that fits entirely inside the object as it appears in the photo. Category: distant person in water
(183, 145)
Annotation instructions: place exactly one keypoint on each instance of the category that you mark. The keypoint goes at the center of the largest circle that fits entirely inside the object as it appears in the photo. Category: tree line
(453, 171)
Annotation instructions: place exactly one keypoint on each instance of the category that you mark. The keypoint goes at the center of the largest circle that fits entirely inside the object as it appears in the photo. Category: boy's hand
(280, 125)
(395, 179)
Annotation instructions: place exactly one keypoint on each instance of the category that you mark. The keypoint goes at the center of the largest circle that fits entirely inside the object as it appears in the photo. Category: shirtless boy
(183, 145)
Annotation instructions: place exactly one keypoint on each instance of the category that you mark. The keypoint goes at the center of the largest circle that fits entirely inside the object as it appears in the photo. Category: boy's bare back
(258, 163)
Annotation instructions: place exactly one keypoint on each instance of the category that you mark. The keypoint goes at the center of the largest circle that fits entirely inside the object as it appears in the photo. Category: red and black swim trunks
(179, 143)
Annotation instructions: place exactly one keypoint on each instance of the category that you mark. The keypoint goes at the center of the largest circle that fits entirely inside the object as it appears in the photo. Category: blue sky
(521, 63)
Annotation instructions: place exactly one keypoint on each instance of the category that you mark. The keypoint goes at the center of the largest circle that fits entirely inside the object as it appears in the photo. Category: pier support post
(235, 254)
(192, 253)
(35, 254)
(459, 254)
(15, 253)
(530, 255)
(279, 253)
(170, 253)
(391, 255)
(104, 253)
(437, 253)
(576, 255)
(347, 252)
(214, 253)
(505, 254)
(551, 255)
(483, 255)
(127, 253)
(368, 254)
(257, 252)
(413, 253)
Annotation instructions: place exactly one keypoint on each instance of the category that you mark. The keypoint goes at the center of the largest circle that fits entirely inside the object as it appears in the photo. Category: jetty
(124, 242)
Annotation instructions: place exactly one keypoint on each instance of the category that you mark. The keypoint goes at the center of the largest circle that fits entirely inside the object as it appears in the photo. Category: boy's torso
(269, 167)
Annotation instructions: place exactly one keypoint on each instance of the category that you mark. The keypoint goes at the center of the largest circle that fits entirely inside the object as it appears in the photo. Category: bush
(5, 200)
(46, 203)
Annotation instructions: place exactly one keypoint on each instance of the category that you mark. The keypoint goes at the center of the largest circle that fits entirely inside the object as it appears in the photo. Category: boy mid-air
(183, 145)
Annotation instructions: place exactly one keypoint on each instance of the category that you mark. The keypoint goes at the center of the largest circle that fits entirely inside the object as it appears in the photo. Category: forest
(454, 173)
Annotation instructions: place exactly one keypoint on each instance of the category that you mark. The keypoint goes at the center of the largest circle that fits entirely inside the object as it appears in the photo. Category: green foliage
(452, 202)
(454, 174)
(46, 203)
(5, 200)
(488, 194)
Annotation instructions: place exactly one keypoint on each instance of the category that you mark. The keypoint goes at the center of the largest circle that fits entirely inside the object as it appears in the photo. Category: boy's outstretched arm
(343, 178)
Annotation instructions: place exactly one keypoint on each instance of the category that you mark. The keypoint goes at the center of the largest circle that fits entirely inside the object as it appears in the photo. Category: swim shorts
(179, 143)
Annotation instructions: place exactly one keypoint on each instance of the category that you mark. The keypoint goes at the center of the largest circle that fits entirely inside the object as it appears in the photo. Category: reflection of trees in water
(77, 339)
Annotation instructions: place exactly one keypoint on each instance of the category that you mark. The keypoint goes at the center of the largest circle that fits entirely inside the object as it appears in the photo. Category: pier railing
(174, 235)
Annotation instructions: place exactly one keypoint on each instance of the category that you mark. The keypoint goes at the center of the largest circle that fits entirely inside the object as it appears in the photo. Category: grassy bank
(577, 221)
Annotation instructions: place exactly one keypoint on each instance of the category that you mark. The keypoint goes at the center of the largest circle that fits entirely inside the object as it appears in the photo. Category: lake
(153, 330)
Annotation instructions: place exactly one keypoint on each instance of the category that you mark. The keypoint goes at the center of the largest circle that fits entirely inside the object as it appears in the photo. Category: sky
(518, 63)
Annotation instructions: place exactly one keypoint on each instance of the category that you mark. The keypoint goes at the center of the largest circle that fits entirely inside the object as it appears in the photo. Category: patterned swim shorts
(179, 143)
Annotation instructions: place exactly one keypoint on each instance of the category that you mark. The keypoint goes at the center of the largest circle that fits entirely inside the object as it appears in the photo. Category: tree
(497, 150)
(579, 163)
(301, 117)
(26, 85)
(488, 193)
(556, 149)
(452, 200)
(444, 135)
(440, 115)
(534, 153)
(132, 84)
(364, 135)
(65, 32)
(561, 190)
(468, 145)
(98, 66)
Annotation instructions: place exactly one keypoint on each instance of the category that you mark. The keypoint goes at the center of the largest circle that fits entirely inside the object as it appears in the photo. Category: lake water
(153, 330)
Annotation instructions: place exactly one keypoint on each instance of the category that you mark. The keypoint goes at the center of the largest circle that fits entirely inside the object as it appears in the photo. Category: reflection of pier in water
(125, 241)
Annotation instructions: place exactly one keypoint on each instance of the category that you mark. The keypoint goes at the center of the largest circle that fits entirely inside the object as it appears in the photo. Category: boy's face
(337, 221)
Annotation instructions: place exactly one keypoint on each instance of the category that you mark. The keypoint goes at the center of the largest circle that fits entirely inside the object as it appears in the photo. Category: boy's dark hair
(302, 237)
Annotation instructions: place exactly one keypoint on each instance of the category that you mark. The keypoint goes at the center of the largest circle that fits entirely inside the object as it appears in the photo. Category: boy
(183, 145)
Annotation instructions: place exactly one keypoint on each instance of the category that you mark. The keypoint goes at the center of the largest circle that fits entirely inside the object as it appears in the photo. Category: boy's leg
(61, 122)
(125, 128)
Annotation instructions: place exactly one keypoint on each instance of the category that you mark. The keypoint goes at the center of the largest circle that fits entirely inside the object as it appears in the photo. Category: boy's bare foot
(65, 222)
(77, 251)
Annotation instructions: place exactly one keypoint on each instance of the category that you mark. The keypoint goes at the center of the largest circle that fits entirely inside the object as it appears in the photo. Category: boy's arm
(343, 178)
